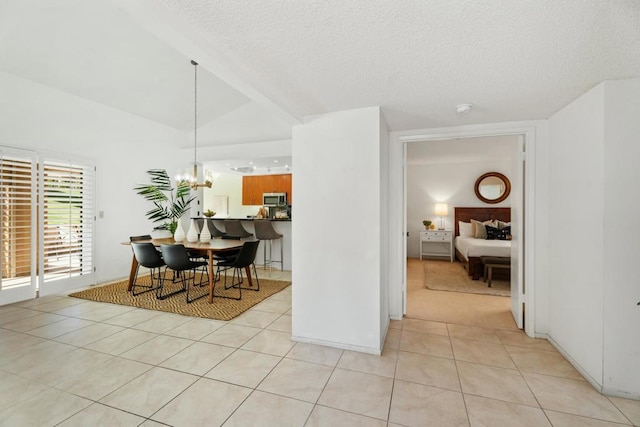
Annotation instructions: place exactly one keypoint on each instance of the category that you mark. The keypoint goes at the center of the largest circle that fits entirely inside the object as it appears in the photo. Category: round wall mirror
(492, 187)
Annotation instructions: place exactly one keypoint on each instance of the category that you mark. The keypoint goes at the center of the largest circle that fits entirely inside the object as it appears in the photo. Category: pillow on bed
(464, 229)
(478, 229)
(495, 233)
(502, 224)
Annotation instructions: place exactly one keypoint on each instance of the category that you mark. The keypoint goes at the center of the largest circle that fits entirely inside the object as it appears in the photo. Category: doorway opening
(441, 171)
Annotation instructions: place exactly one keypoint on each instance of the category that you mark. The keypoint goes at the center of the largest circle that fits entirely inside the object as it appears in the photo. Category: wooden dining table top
(214, 245)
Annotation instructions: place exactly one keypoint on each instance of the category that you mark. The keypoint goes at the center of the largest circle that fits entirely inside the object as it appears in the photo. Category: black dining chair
(177, 259)
(140, 238)
(244, 260)
(147, 256)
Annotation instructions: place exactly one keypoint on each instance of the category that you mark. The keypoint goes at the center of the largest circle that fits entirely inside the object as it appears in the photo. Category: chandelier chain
(195, 113)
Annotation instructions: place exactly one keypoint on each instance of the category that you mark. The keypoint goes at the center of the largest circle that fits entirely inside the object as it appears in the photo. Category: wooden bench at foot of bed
(497, 262)
(473, 265)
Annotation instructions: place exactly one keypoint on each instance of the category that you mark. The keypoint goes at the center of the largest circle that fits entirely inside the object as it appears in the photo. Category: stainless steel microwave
(274, 199)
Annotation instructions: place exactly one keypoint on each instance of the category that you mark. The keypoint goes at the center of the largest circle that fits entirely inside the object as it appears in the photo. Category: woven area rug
(221, 309)
(441, 275)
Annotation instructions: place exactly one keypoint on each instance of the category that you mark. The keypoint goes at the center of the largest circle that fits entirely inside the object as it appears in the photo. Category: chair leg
(149, 288)
(204, 273)
(233, 285)
(160, 295)
(264, 251)
(255, 273)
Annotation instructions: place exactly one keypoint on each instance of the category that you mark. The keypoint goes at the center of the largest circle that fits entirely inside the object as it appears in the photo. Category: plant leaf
(167, 207)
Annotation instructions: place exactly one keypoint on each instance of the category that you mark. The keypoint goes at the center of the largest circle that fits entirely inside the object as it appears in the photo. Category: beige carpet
(484, 311)
(441, 275)
(221, 309)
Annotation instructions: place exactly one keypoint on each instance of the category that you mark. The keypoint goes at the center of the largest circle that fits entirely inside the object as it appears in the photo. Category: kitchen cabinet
(254, 185)
(249, 190)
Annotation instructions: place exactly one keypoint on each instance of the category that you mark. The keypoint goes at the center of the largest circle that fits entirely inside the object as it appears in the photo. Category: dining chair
(177, 259)
(147, 256)
(244, 260)
(139, 238)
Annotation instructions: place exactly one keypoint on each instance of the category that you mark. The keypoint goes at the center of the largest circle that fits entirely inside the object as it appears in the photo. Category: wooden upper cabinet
(285, 184)
(254, 186)
(249, 190)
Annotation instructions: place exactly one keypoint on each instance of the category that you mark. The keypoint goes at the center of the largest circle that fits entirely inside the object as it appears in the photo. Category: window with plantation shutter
(17, 224)
(66, 201)
(46, 224)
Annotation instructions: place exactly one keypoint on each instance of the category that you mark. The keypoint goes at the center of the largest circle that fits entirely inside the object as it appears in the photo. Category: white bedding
(471, 247)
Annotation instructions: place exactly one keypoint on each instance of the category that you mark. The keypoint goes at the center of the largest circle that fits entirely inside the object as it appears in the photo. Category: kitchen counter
(249, 219)
(282, 226)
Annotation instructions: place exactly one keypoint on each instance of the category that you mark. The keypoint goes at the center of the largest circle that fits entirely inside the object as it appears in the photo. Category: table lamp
(441, 210)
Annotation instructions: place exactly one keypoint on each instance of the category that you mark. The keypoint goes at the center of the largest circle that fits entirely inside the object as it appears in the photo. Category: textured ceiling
(417, 59)
(513, 60)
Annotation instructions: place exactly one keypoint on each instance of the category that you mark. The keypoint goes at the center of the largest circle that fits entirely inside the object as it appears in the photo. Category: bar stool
(265, 231)
(213, 230)
(233, 229)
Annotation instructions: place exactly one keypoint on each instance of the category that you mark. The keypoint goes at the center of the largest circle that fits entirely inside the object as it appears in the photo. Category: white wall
(123, 146)
(593, 316)
(621, 237)
(384, 230)
(337, 230)
(230, 185)
(576, 197)
(451, 183)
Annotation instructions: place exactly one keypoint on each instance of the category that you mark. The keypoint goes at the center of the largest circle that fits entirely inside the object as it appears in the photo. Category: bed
(468, 249)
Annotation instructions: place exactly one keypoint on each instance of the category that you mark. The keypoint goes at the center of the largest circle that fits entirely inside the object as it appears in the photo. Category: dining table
(210, 248)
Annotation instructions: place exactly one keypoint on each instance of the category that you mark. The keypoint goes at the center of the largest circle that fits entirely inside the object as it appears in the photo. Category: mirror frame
(507, 185)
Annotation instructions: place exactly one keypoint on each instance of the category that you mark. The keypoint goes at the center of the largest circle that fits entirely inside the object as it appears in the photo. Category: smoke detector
(463, 108)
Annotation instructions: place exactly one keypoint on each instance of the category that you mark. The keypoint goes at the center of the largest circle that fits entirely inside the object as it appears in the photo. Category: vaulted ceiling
(267, 64)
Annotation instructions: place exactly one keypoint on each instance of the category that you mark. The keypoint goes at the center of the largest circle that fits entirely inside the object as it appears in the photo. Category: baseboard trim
(618, 393)
(341, 346)
(594, 383)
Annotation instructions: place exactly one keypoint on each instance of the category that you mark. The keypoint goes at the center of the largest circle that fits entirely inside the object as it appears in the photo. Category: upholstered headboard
(480, 214)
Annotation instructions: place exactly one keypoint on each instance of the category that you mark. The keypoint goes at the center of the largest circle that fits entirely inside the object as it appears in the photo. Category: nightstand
(436, 243)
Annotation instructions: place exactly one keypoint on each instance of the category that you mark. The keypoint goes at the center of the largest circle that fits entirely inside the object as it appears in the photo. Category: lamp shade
(442, 209)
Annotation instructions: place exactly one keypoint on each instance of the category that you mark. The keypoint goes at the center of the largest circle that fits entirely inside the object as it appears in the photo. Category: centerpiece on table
(170, 202)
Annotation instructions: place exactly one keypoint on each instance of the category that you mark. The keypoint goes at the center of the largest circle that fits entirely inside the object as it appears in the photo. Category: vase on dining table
(205, 234)
(179, 234)
(192, 234)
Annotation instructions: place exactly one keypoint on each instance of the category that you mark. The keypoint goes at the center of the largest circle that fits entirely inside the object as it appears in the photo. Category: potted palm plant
(170, 203)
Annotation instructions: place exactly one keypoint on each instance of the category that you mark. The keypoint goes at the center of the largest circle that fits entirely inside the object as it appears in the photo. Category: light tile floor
(70, 362)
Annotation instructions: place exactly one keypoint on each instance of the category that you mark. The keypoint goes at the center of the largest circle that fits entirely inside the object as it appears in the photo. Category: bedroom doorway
(447, 174)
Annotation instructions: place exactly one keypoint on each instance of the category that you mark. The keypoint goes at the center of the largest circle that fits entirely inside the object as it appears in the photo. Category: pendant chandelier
(192, 178)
